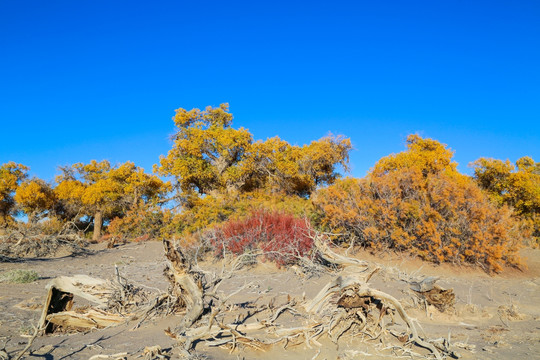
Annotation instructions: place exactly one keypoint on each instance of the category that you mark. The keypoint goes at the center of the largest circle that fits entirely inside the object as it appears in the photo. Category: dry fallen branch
(113, 303)
(332, 257)
(119, 356)
(37, 330)
(185, 284)
(154, 352)
(57, 310)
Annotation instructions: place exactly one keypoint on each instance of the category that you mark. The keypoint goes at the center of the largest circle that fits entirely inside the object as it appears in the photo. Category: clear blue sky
(82, 80)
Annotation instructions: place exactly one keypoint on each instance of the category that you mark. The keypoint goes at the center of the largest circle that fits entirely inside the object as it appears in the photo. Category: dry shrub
(52, 225)
(19, 276)
(441, 217)
(282, 237)
(142, 223)
(27, 244)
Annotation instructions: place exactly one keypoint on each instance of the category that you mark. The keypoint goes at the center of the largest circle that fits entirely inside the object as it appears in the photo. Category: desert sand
(495, 316)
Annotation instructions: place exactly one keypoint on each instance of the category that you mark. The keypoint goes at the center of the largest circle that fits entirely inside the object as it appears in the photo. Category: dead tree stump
(186, 285)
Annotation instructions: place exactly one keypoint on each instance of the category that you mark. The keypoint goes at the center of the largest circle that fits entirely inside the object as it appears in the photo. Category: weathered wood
(184, 285)
(57, 309)
(341, 285)
(90, 319)
(97, 291)
(332, 257)
(62, 290)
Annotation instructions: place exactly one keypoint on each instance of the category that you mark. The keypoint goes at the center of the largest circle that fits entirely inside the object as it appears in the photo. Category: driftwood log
(57, 309)
(327, 254)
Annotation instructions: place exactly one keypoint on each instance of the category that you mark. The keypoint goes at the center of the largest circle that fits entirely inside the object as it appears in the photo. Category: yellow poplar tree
(11, 175)
(36, 198)
(517, 186)
(211, 157)
(206, 152)
(426, 155)
(102, 191)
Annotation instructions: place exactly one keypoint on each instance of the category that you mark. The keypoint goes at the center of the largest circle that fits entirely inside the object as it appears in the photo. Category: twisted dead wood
(184, 285)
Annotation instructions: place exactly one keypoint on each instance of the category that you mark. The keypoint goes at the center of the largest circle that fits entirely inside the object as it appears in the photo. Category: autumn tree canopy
(517, 186)
(425, 155)
(35, 198)
(207, 151)
(102, 191)
(277, 166)
(209, 157)
(220, 170)
(11, 175)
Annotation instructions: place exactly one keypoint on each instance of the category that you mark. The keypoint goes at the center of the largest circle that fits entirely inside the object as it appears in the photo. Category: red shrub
(282, 237)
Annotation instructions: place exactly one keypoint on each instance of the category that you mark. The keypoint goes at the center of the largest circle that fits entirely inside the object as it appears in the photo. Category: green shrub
(19, 276)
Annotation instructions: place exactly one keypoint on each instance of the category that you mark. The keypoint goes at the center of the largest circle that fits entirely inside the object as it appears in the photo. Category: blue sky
(82, 80)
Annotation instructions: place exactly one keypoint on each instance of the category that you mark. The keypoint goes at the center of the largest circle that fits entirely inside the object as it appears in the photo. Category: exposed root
(332, 257)
(186, 284)
(432, 294)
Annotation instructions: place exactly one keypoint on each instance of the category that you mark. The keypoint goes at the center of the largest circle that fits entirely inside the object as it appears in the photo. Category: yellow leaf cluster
(35, 197)
(277, 166)
(516, 186)
(11, 175)
(206, 152)
(85, 189)
(207, 211)
(211, 157)
(427, 155)
(142, 222)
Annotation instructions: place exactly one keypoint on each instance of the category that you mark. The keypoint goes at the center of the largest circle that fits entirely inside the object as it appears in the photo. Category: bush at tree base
(143, 222)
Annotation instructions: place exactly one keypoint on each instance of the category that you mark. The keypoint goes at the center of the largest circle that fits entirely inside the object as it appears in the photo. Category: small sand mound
(510, 313)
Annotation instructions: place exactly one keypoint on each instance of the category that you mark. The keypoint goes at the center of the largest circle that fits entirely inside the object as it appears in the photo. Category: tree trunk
(98, 222)
(32, 218)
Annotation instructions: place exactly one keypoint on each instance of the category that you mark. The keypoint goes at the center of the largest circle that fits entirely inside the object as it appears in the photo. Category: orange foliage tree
(11, 175)
(517, 186)
(102, 192)
(36, 198)
(416, 201)
(215, 166)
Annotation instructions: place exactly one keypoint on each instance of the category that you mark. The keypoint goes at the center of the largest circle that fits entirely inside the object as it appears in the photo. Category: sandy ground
(479, 320)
